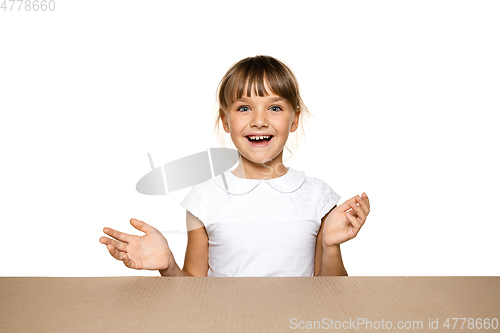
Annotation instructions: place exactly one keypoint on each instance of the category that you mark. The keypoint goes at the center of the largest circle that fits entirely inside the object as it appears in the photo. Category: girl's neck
(251, 170)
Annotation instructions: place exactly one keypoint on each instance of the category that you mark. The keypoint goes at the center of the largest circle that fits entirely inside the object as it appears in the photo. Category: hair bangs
(262, 78)
(244, 83)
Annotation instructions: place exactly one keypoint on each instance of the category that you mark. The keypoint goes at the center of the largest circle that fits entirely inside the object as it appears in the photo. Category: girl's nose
(259, 119)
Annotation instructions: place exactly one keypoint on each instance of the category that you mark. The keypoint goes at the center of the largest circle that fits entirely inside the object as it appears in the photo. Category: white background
(405, 97)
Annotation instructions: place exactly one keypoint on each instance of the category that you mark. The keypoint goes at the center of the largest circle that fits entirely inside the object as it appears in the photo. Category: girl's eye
(245, 108)
(242, 108)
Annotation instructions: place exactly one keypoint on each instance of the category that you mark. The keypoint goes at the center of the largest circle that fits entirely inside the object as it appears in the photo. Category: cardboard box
(290, 304)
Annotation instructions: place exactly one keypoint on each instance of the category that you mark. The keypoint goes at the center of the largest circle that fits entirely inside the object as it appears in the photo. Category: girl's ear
(224, 121)
(295, 123)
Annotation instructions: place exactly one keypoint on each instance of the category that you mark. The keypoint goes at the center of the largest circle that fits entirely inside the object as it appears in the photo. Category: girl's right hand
(149, 251)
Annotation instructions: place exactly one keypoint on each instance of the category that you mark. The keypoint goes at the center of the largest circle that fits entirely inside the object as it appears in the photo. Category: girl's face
(249, 118)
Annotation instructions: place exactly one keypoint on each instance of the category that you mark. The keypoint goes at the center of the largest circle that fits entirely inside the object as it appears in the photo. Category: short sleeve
(193, 202)
(328, 199)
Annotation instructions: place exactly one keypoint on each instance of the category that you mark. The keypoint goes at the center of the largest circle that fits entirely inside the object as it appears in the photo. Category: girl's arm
(328, 261)
(338, 226)
(196, 258)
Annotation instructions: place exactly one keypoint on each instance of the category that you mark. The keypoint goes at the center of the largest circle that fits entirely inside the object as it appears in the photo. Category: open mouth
(258, 141)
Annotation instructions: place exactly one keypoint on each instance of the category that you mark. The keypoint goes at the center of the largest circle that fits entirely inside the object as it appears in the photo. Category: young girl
(262, 218)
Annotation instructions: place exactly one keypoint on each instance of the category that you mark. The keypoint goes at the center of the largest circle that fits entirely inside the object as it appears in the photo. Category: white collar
(287, 183)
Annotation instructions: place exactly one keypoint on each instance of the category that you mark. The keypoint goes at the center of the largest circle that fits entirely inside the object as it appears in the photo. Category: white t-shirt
(261, 227)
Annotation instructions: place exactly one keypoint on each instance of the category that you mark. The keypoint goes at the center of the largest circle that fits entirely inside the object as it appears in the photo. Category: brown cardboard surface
(185, 304)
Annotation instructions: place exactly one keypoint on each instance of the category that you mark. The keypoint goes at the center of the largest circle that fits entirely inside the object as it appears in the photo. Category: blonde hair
(254, 73)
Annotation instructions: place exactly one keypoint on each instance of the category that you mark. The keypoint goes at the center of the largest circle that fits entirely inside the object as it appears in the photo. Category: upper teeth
(253, 137)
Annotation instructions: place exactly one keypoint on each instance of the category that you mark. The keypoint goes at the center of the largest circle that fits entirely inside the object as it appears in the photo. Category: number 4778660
(28, 5)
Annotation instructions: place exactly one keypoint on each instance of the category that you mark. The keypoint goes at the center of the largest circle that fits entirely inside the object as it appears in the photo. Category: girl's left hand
(344, 222)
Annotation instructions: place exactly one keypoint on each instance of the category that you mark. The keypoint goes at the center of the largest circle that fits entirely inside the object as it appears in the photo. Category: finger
(364, 196)
(118, 255)
(355, 223)
(118, 245)
(142, 226)
(359, 211)
(346, 205)
(363, 204)
(117, 234)
(352, 212)
(128, 262)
